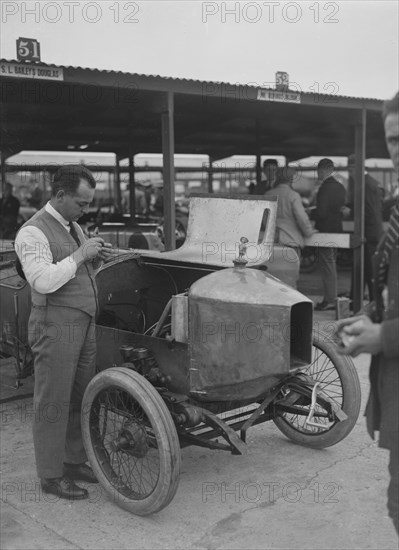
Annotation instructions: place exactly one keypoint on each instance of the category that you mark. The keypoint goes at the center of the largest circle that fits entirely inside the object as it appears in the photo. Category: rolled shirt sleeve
(33, 250)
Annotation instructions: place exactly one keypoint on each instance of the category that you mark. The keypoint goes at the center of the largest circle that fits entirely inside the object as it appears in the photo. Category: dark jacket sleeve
(321, 203)
(331, 197)
(389, 338)
(330, 200)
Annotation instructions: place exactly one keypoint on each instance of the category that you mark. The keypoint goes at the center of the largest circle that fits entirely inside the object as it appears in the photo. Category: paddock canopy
(45, 107)
(61, 108)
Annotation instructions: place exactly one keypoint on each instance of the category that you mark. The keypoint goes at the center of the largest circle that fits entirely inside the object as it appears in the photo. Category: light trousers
(64, 346)
(328, 270)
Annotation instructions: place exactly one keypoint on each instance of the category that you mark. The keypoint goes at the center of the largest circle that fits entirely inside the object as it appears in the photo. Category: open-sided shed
(60, 108)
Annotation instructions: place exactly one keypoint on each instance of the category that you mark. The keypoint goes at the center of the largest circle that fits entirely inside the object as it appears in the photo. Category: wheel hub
(132, 439)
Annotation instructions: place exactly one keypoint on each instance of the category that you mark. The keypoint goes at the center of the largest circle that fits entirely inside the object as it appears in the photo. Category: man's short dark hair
(67, 178)
(390, 106)
(270, 162)
(325, 164)
(286, 174)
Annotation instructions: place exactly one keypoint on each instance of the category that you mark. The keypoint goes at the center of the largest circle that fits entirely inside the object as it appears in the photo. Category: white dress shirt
(33, 249)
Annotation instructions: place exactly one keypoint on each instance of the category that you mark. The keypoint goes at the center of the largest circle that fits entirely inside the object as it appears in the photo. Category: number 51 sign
(28, 49)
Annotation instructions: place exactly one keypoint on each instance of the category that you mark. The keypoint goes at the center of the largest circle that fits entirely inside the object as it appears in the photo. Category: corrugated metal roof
(177, 79)
(217, 119)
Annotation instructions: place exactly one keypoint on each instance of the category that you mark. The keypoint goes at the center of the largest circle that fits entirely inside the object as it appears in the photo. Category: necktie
(74, 233)
(390, 240)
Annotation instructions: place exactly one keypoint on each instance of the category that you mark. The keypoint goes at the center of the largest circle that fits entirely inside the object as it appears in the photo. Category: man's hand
(107, 252)
(359, 335)
(346, 212)
(89, 250)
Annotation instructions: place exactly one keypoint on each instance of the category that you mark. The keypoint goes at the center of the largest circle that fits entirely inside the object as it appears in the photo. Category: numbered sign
(28, 49)
(282, 81)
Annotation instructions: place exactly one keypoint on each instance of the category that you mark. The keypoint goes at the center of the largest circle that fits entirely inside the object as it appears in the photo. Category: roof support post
(132, 184)
(258, 169)
(117, 184)
(210, 175)
(168, 150)
(258, 153)
(110, 185)
(3, 171)
(359, 192)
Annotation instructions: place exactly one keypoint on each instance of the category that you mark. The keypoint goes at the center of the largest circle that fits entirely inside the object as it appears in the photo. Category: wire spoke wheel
(131, 440)
(338, 381)
(308, 260)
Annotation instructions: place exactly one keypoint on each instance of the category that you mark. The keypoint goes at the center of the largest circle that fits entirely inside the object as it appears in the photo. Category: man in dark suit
(9, 208)
(372, 221)
(376, 330)
(328, 217)
(270, 172)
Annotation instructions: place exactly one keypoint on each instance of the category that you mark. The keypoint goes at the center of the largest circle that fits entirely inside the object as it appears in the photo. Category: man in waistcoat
(376, 331)
(60, 266)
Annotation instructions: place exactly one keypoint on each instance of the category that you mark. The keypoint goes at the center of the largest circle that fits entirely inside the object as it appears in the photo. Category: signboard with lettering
(275, 95)
(25, 70)
(28, 49)
(282, 81)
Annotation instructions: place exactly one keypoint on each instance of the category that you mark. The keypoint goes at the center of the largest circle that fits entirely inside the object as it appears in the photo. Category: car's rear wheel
(338, 380)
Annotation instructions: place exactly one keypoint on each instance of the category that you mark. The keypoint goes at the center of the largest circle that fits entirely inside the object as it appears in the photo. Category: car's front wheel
(131, 440)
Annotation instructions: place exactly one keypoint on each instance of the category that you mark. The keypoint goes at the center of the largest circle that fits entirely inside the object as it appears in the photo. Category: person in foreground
(376, 330)
(60, 265)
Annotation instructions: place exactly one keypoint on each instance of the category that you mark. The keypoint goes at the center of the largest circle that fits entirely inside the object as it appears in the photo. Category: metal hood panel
(217, 223)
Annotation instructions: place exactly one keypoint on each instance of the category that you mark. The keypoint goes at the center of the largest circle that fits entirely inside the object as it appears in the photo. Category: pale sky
(345, 47)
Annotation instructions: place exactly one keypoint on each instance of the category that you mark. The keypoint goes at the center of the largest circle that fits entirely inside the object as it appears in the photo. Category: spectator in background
(157, 201)
(292, 224)
(141, 199)
(373, 229)
(251, 188)
(270, 172)
(9, 208)
(147, 194)
(328, 217)
(36, 197)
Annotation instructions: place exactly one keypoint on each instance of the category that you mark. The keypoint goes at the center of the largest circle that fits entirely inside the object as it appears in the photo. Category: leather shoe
(324, 306)
(83, 472)
(63, 487)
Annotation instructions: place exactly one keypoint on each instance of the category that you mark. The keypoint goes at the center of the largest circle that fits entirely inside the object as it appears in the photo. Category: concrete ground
(279, 495)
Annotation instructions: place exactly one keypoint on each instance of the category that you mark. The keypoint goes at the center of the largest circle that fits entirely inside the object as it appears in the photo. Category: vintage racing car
(195, 346)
